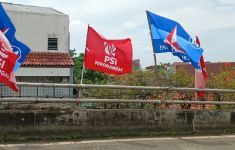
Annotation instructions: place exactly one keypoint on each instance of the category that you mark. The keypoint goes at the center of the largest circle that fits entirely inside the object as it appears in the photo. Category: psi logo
(2, 55)
(110, 51)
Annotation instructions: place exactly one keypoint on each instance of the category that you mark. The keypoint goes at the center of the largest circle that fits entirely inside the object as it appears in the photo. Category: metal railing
(77, 100)
(79, 86)
(87, 98)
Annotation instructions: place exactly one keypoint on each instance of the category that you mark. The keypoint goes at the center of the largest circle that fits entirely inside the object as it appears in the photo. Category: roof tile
(48, 59)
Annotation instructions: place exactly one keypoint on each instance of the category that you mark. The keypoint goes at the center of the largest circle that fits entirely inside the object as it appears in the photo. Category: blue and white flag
(7, 27)
(169, 36)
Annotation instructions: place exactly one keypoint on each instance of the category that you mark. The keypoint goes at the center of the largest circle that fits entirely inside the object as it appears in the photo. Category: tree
(77, 69)
(181, 79)
(89, 76)
(223, 80)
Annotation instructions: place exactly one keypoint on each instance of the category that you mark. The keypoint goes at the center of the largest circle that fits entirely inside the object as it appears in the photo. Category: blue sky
(212, 20)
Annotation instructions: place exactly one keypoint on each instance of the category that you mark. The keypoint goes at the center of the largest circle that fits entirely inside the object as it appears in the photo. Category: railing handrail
(86, 100)
(124, 87)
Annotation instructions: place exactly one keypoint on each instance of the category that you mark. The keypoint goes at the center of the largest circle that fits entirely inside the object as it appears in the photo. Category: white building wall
(43, 72)
(34, 28)
(34, 25)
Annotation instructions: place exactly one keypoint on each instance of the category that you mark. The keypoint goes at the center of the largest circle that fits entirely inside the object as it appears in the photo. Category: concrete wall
(50, 123)
(35, 27)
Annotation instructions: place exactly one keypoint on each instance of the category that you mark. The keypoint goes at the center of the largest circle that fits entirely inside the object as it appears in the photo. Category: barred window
(52, 43)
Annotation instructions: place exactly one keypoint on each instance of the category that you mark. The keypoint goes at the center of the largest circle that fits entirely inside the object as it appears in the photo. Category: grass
(111, 135)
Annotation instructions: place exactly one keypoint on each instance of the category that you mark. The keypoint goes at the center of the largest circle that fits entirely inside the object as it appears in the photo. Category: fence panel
(117, 96)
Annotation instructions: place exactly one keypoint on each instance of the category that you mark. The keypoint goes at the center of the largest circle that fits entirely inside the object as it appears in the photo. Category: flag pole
(154, 55)
(83, 64)
(80, 90)
(83, 68)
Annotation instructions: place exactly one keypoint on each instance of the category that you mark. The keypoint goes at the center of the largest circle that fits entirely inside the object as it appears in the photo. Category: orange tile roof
(48, 59)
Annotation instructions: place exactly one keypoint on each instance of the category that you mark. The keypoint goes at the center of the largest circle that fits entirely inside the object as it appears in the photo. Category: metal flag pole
(83, 64)
(82, 76)
(154, 55)
(83, 69)
(81, 81)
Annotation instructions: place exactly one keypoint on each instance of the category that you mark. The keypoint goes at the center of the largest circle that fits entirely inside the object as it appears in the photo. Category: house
(212, 67)
(46, 32)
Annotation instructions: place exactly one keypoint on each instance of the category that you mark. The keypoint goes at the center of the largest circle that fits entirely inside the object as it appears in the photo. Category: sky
(212, 20)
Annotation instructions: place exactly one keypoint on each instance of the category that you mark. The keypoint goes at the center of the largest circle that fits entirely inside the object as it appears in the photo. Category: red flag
(109, 56)
(7, 63)
(203, 67)
(201, 75)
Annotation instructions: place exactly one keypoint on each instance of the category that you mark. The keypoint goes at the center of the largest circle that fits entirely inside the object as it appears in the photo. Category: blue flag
(169, 36)
(9, 30)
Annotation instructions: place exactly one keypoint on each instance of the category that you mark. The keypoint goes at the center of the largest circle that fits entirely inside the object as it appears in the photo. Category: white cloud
(130, 24)
(229, 2)
(76, 23)
(121, 19)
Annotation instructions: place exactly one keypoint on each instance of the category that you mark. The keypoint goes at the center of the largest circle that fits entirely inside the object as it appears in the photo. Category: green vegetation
(90, 76)
(164, 77)
(111, 135)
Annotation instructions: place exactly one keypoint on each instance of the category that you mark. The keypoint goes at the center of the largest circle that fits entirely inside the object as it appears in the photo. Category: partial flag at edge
(7, 27)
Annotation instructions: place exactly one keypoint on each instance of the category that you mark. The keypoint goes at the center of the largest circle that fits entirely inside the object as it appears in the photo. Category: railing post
(218, 96)
(53, 92)
(203, 105)
(1, 91)
(80, 94)
(20, 92)
(37, 88)
(37, 92)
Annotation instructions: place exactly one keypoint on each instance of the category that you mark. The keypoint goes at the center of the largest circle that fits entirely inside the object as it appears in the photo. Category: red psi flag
(7, 63)
(201, 75)
(109, 56)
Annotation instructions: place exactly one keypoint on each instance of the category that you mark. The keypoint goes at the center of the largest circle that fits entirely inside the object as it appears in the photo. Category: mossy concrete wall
(31, 124)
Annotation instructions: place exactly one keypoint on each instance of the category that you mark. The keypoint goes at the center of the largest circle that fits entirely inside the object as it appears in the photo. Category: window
(52, 43)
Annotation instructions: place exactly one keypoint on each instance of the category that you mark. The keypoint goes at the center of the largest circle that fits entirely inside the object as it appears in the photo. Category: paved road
(226, 142)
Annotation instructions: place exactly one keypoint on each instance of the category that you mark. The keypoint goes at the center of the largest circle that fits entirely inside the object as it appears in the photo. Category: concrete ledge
(46, 124)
